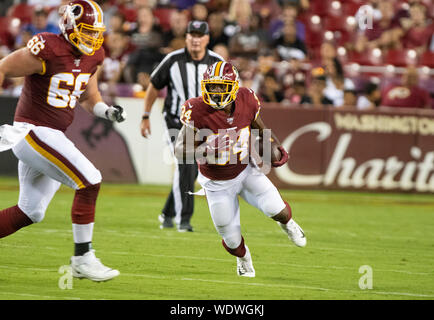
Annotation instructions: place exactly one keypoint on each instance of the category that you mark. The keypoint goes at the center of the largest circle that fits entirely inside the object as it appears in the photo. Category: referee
(181, 72)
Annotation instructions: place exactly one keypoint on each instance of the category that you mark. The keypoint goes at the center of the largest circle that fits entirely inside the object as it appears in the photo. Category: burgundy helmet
(82, 25)
(220, 84)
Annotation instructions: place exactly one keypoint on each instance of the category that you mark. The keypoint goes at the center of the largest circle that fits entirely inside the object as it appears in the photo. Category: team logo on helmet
(81, 23)
(220, 84)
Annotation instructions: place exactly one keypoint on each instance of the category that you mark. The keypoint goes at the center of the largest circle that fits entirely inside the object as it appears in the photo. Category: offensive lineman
(60, 70)
(223, 117)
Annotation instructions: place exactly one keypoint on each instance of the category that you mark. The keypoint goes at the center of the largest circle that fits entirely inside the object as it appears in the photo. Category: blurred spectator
(199, 12)
(117, 23)
(250, 39)
(315, 95)
(418, 29)
(268, 10)
(174, 38)
(216, 21)
(271, 90)
(117, 50)
(222, 50)
(4, 6)
(130, 8)
(288, 45)
(370, 98)
(408, 94)
(349, 100)
(265, 65)
(39, 24)
(335, 82)
(287, 16)
(148, 33)
(385, 32)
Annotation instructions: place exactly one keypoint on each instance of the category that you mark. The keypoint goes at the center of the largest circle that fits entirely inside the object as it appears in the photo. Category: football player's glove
(116, 113)
(283, 159)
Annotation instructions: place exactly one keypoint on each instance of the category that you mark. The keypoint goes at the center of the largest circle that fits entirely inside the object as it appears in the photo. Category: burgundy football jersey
(48, 99)
(229, 164)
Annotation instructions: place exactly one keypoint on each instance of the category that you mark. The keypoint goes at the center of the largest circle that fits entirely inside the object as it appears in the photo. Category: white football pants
(222, 196)
(47, 158)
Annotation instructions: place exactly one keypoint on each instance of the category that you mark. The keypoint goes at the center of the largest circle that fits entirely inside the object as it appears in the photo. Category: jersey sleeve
(254, 104)
(40, 45)
(189, 117)
(160, 77)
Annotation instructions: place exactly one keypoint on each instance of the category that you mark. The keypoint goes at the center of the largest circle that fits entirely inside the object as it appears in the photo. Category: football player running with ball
(216, 133)
(60, 71)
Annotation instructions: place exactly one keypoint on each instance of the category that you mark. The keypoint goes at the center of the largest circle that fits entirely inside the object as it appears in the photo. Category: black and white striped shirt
(182, 76)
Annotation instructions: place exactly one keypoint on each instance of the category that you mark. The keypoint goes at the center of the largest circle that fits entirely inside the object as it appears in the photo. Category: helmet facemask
(219, 93)
(86, 38)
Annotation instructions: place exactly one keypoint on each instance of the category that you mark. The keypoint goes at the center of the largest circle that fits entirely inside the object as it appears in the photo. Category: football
(272, 155)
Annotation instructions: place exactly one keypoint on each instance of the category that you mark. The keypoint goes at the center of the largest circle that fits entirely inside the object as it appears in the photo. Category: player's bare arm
(20, 63)
(151, 96)
(92, 101)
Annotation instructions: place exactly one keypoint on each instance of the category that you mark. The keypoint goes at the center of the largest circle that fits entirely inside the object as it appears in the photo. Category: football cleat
(185, 227)
(245, 265)
(294, 232)
(166, 222)
(90, 267)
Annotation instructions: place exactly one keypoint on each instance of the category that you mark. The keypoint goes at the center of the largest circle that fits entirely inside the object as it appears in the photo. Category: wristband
(100, 109)
(146, 115)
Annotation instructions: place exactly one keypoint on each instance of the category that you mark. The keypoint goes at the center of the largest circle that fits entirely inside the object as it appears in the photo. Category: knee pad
(83, 207)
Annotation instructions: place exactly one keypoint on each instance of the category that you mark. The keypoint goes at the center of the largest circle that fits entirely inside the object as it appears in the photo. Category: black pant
(183, 183)
(179, 196)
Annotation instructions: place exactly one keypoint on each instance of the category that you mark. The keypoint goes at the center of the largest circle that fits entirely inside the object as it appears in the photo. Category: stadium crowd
(315, 53)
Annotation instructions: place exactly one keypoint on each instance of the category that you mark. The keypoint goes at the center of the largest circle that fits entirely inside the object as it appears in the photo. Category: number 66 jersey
(48, 99)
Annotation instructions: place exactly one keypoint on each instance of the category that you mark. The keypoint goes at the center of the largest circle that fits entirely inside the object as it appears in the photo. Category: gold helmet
(220, 84)
(82, 25)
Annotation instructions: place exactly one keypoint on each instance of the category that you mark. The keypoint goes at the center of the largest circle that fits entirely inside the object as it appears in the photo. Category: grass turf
(391, 233)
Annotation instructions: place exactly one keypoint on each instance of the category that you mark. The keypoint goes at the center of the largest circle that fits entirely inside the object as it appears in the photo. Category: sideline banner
(390, 150)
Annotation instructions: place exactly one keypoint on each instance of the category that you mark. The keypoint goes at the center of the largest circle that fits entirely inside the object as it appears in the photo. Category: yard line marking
(233, 283)
(270, 263)
(38, 295)
(312, 288)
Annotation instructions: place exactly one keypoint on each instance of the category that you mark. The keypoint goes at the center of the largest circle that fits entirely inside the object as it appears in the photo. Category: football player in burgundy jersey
(216, 133)
(60, 71)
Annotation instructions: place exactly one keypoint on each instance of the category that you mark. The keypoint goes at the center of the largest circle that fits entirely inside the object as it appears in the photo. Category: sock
(289, 210)
(11, 220)
(83, 207)
(81, 248)
(239, 252)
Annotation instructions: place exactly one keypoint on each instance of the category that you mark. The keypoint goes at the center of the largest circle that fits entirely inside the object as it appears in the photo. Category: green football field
(389, 238)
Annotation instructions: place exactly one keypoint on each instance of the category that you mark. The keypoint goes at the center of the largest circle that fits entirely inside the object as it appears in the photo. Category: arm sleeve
(40, 46)
(188, 117)
(160, 77)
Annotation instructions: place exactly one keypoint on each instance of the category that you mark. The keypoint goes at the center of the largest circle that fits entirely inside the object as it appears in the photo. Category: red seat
(401, 58)
(163, 16)
(373, 57)
(319, 7)
(21, 11)
(427, 59)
